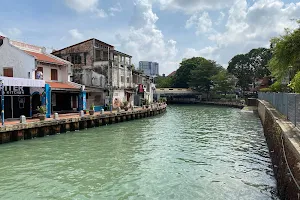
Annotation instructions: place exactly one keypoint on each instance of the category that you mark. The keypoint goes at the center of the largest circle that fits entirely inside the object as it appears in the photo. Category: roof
(60, 85)
(44, 57)
(172, 74)
(81, 43)
(121, 53)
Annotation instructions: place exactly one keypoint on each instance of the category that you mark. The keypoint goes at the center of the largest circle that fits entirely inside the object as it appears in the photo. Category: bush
(265, 90)
(295, 83)
(42, 109)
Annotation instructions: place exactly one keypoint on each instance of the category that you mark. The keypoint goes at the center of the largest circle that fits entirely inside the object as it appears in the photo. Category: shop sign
(16, 90)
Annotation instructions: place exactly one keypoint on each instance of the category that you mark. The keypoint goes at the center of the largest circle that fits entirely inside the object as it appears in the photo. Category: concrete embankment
(227, 104)
(283, 139)
(31, 130)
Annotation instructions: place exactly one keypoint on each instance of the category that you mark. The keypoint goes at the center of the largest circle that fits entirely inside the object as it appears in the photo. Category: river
(189, 152)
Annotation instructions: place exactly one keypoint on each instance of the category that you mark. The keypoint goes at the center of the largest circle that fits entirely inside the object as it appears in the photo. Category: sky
(165, 31)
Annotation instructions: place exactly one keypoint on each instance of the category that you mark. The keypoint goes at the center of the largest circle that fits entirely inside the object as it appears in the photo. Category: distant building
(149, 68)
(172, 74)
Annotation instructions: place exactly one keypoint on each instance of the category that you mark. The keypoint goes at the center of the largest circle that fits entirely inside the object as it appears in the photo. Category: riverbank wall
(226, 104)
(24, 131)
(283, 140)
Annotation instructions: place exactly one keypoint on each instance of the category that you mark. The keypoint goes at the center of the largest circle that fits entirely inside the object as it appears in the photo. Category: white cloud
(145, 41)
(220, 19)
(14, 32)
(190, 6)
(2, 34)
(86, 6)
(75, 34)
(202, 22)
(249, 27)
(115, 8)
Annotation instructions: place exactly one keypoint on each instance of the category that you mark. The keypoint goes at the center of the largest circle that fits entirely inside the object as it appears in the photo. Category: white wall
(62, 73)
(21, 62)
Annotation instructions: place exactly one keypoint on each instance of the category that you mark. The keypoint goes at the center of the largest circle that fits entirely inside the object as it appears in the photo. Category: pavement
(61, 116)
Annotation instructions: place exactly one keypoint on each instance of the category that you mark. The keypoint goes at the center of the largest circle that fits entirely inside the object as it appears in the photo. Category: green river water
(189, 152)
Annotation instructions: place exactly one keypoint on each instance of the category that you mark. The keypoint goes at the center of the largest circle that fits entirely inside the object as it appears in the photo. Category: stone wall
(283, 140)
(84, 49)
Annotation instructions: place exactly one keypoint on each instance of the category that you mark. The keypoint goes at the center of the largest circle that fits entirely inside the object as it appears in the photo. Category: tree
(194, 72)
(250, 66)
(164, 82)
(286, 54)
(223, 82)
(200, 78)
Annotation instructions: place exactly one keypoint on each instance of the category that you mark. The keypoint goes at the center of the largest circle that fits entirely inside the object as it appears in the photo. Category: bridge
(178, 95)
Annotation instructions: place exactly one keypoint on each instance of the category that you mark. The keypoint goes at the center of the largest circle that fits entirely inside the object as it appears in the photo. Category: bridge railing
(287, 104)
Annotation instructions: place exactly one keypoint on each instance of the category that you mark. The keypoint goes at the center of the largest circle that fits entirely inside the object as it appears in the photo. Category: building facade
(149, 68)
(21, 62)
(106, 72)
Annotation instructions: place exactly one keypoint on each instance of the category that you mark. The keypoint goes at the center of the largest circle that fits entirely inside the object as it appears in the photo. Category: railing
(287, 104)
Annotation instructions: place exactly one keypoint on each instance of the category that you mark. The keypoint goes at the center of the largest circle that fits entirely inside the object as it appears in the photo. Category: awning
(64, 86)
(11, 81)
(129, 92)
(91, 89)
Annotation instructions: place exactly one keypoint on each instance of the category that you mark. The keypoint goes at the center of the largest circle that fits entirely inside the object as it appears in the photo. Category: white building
(27, 61)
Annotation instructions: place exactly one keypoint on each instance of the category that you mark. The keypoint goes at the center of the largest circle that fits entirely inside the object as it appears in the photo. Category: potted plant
(42, 112)
(92, 109)
(125, 105)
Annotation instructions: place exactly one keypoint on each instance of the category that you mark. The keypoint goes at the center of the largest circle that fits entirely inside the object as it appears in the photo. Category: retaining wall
(25, 131)
(283, 140)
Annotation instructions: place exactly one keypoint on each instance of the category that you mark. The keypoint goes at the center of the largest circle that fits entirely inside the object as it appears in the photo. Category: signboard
(8, 81)
(16, 90)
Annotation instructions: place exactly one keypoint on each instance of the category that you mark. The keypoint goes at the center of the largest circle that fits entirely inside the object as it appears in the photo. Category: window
(54, 75)
(127, 80)
(85, 58)
(39, 73)
(8, 72)
(76, 59)
(122, 79)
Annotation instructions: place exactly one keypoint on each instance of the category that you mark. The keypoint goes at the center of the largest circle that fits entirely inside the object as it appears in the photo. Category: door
(7, 107)
(21, 106)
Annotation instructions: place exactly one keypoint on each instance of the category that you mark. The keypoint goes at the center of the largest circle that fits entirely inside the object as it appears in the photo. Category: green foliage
(190, 69)
(295, 83)
(223, 82)
(286, 54)
(125, 103)
(266, 90)
(164, 82)
(42, 109)
(250, 66)
(92, 107)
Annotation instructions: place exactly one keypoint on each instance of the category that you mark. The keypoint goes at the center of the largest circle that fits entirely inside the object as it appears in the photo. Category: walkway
(61, 116)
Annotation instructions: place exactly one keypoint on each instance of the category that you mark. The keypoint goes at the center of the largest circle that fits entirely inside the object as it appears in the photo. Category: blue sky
(156, 30)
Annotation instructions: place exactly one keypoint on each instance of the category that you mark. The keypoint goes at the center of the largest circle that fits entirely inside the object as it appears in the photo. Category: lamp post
(2, 102)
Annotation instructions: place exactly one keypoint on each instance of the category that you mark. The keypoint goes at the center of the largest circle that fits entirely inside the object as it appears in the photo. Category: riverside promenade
(15, 131)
